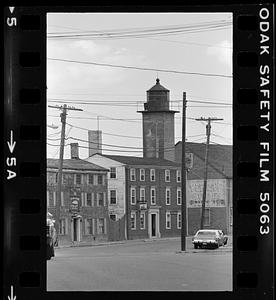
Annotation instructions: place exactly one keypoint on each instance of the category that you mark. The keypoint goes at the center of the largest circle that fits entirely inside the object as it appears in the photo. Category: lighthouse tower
(158, 124)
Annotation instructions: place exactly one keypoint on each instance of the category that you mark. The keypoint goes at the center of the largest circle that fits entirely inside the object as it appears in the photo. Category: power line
(138, 68)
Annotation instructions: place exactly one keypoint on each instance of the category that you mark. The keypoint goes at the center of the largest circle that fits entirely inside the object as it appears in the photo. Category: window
(142, 174)
(62, 227)
(90, 179)
(113, 196)
(179, 196)
(142, 195)
(88, 199)
(142, 220)
(100, 179)
(168, 196)
(152, 174)
(77, 178)
(167, 176)
(100, 199)
(113, 173)
(207, 217)
(168, 220)
(179, 220)
(178, 176)
(88, 226)
(101, 229)
(133, 220)
(112, 217)
(132, 174)
(152, 196)
(132, 195)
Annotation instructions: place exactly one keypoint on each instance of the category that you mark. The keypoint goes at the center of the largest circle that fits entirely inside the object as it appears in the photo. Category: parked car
(212, 238)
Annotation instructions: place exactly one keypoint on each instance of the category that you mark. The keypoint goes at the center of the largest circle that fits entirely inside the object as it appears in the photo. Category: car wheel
(195, 246)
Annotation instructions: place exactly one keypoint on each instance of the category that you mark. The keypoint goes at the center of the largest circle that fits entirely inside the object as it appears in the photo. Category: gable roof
(219, 160)
(134, 160)
(75, 164)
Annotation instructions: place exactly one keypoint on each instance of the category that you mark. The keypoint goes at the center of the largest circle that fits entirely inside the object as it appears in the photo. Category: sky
(121, 92)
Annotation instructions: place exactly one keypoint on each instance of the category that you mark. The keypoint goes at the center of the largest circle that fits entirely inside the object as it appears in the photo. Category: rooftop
(134, 160)
(76, 164)
(158, 87)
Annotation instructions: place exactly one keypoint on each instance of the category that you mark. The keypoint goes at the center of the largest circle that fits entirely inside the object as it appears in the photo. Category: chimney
(74, 150)
(94, 142)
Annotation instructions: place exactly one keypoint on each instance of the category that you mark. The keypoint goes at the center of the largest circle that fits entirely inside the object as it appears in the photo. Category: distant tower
(158, 124)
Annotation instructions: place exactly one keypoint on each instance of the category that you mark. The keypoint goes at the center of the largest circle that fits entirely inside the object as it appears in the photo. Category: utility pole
(208, 133)
(63, 115)
(183, 178)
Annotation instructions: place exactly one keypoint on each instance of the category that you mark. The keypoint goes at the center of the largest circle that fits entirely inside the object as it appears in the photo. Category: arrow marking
(11, 143)
(12, 297)
(11, 8)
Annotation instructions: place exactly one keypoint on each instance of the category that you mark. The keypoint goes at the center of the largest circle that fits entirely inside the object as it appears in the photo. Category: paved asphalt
(140, 266)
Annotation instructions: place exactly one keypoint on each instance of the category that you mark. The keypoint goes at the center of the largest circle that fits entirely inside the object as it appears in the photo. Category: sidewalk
(189, 244)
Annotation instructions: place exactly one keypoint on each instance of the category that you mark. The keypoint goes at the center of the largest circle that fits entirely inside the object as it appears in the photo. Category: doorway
(153, 225)
(75, 225)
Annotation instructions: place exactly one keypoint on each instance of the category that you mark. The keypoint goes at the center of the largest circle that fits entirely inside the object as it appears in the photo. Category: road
(136, 266)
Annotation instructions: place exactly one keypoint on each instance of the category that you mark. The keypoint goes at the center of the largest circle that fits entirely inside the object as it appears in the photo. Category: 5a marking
(11, 161)
(11, 21)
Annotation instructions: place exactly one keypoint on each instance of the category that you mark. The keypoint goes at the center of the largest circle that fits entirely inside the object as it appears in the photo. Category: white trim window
(178, 196)
(168, 220)
(168, 196)
(89, 199)
(142, 220)
(133, 220)
(100, 179)
(179, 220)
(133, 195)
(78, 178)
(142, 174)
(88, 226)
(113, 197)
(167, 176)
(178, 175)
(90, 179)
(62, 227)
(132, 174)
(152, 174)
(113, 173)
(153, 195)
(101, 226)
(142, 195)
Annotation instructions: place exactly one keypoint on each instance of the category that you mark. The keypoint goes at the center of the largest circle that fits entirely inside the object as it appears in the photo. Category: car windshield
(204, 233)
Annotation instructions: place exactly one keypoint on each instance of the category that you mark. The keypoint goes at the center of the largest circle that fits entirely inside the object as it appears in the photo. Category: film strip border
(25, 152)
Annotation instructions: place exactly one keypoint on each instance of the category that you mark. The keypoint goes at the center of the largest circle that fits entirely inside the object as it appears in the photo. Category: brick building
(83, 210)
(144, 191)
(219, 202)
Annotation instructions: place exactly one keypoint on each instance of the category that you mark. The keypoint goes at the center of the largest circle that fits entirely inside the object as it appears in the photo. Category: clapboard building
(83, 209)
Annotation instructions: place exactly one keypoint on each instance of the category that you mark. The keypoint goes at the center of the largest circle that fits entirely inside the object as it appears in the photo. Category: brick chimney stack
(94, 142)
(74, 150)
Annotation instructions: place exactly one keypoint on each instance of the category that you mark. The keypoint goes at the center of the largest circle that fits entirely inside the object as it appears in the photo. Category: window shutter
(66, 226)
(92, 199)
(61, 199)
(104, 226)
(93, 226)
(97, 226)
(54, 197)
(104, 196)
(82, 200)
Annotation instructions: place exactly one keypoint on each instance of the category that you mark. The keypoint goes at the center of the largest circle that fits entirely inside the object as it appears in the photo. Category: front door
(153, 225)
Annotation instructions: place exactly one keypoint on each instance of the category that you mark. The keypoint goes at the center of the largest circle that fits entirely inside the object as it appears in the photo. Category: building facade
(83, 207)
(219, 202)
(148, 195)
